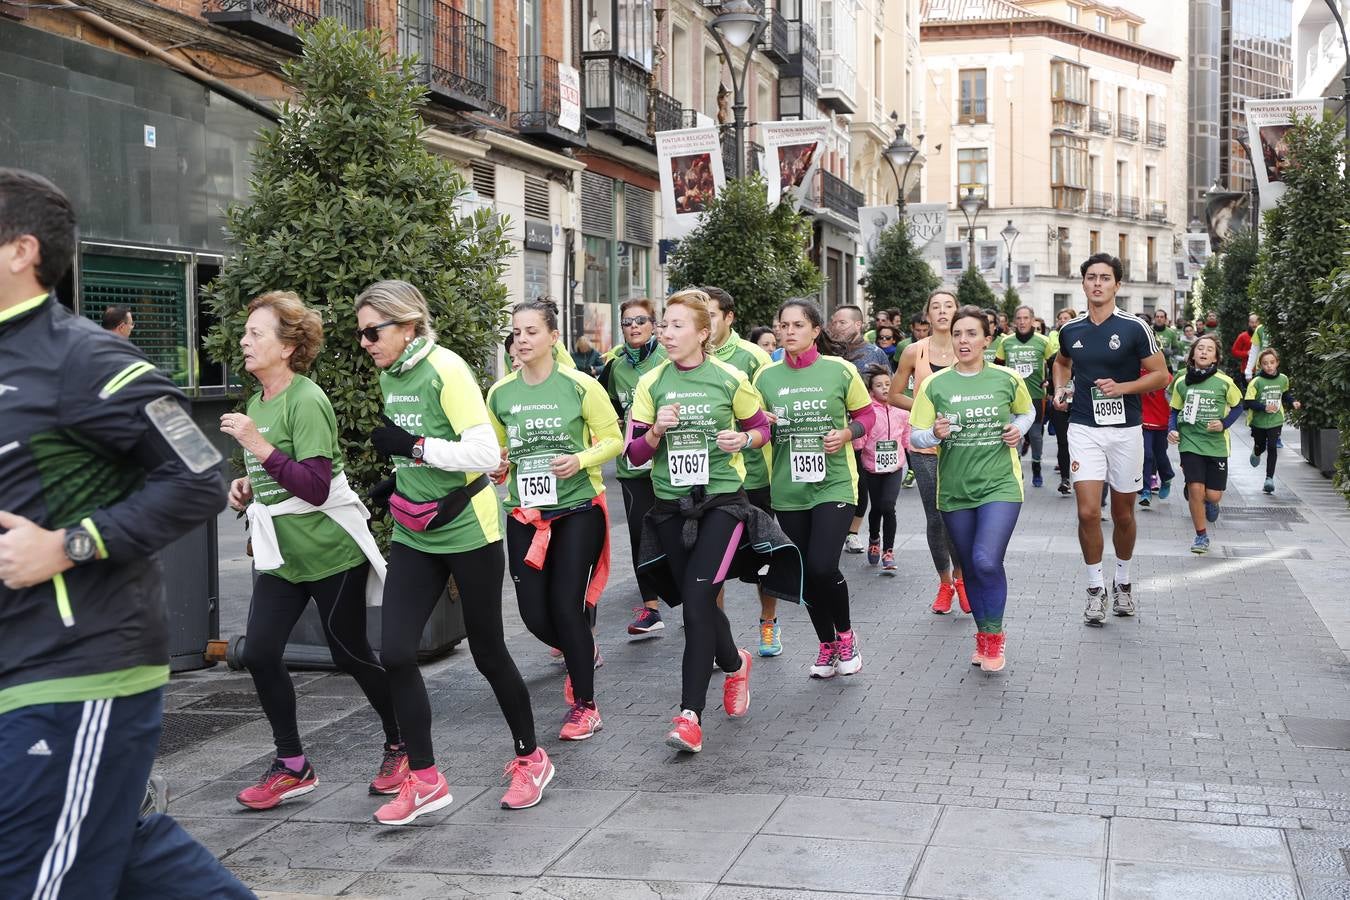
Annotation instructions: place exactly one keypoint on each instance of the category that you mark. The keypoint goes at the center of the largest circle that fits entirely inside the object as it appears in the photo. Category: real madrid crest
(1114, 343)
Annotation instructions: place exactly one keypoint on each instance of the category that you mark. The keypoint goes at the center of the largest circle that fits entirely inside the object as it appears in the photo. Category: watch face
(79, 546)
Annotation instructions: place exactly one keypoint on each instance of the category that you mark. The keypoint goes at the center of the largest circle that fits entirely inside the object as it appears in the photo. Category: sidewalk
(1197, 750)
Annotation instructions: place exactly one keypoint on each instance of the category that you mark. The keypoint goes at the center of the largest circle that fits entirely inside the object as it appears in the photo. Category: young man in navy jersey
(1097, 380)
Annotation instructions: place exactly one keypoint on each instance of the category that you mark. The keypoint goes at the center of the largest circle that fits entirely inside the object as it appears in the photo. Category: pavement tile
(1199, 844)
(1325, 888)
(354, 803)
(473, 849)
(813, 863)
(223, 834)
(747, 892)
(1023, 831)
(1151, 881)
(651, 855)
(1320, 851)
(324, 845)
(216, 800)
(300, 881)
(865, 820)
(970, 873)
(561, 808)
(431, 886)
(694, 812)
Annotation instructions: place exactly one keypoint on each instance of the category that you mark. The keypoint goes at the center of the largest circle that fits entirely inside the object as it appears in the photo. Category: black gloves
(380, 493)
(391, 440)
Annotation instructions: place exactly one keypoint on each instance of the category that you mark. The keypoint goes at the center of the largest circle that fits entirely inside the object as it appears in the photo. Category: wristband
(749, 440)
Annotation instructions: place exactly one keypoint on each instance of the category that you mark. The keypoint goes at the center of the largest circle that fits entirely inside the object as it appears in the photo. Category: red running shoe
(415, 798)
(687, 735)
(977, 658)
(277, 784)
(961, 595)
(393, 771)
(943, 604)
(529, 776)
(994, 660)
(581, 723)
(736, 691)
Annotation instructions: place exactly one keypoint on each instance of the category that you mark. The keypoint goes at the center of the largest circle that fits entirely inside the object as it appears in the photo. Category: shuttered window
(637, 215)
(484, 178)
(536, 198)
(597, 204)
(155, 290)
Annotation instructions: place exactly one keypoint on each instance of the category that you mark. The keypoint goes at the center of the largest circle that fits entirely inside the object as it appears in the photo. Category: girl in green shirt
(1267, 396)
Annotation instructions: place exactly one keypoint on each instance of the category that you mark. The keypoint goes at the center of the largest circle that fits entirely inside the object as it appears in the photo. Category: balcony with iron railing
(803, 53)
(539, 104)
(1157, 211)
(459, 65)
(1127, 207)
(1157, 134)
(836, 195)
(667, 114)
(1153, 272)
(1099, 203)
(1099, 121)
(774, 44)
(616, 95)
(1127, 127)
(274, 21)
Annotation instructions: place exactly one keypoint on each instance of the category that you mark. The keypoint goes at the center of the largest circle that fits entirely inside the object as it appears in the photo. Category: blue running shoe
(1164, 489)
(1037, 481)
(1211, 511)
(1201, 544)
(770, 641)
(1254, 459)
(1144, 500)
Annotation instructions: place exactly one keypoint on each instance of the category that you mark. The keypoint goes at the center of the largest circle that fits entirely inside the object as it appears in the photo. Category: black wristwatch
(80, 545)
(419, 449)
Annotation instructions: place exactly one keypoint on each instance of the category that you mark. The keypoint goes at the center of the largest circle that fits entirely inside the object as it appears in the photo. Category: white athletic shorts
(1113, 455)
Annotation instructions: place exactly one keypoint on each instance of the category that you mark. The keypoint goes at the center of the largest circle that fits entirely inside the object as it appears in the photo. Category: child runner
(1156, 413)
(882, 451)
(1267, 397)
(558, 428)
(1205, 404)
(976, 414)
(819, 406)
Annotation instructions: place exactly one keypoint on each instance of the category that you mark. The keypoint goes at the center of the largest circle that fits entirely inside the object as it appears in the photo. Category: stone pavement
(1188, 752)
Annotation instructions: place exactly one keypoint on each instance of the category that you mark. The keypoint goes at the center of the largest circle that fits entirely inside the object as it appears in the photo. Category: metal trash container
(192, 596)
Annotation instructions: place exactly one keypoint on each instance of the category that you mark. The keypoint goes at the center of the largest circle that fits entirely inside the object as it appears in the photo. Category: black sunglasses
(635, 320)
(372, 332)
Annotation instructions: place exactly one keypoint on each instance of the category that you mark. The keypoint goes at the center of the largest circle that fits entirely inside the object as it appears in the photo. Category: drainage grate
(187, 729)
(1233, 552)
(1322, 734)
(244, 701)
(1264, 513)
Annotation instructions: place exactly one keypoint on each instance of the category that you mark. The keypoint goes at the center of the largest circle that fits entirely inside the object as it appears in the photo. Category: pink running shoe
(415, 798)
(277, 784)
(529, 776)
(825, 660)
(736, 690)
(687, 735)
(581, 723)
(849, 660)
(393, 771)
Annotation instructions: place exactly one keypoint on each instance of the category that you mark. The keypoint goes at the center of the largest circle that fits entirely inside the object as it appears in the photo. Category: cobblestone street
(1197, 750)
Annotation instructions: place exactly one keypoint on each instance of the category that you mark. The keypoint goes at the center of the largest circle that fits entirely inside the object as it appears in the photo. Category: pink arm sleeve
(638, 450)
(758, 422)
(308, 479)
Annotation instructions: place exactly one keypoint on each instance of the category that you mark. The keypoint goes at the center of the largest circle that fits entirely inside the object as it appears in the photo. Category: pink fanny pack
(411, 515)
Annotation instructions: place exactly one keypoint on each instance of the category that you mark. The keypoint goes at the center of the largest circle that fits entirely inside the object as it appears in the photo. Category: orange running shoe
(994, 661)
(943, 604)
(961, 595)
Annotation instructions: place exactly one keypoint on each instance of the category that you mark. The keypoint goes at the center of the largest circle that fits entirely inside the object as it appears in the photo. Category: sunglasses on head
(634, 320)
(372, 332)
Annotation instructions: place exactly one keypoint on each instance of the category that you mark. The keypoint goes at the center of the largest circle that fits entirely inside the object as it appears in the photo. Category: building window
(1073, 14)
(1123, 251)
(973, 105)
(972, 171)
(1094, 243)
(1068, 82)
(595, 294)
(1068, 170)
(1101, 23)
(1065, 261)
(1132, 32)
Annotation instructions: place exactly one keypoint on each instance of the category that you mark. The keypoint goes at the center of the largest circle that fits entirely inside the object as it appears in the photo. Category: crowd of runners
(764, 461)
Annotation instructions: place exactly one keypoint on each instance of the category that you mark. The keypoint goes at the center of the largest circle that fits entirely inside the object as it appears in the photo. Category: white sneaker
(853, 544)
(826, 661)
(1095, 613)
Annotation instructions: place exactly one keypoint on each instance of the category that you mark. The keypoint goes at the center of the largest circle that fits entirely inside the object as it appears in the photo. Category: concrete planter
(1328, 447)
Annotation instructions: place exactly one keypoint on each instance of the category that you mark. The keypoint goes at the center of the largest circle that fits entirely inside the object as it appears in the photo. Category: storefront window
(536, 274)
(597, 316)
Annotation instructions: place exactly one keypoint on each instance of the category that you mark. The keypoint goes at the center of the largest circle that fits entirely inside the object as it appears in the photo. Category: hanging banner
(689, 162)
(792, 152)
(927, 226)
(1267, 123)
(872, 221)
(569, 98)
(989, 256)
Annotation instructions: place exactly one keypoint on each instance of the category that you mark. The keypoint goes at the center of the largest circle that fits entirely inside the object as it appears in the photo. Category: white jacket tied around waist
(343, 507)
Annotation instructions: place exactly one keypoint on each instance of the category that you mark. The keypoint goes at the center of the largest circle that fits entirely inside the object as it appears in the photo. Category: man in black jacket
(100, 466)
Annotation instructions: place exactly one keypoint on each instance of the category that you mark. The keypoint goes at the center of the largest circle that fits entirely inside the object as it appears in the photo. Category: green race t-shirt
(565, 413)
(975, 467)
(1268, 390)
(808, 402)
(749, 358)
(300, 423)
(1027, 358)
(437, 396)
(712, 397)
(1199, 404)
(995, 350)
(623, 379)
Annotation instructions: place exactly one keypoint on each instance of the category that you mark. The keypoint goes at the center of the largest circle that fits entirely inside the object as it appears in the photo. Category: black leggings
(1267, 441)
(411, 589)
(882, 491)
(819, 535)
(276, 606)
(924, 466)
(1061, 422)
(638, 497)
(553, 600)
(860, 485)
(701, 571)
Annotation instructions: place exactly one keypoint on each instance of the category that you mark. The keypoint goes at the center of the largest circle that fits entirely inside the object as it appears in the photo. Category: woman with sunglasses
(624, 367)
(558, 428)
(888, 339)
(447, 523)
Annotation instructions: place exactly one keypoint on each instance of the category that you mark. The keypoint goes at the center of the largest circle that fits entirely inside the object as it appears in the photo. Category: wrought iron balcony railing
(1099, 203)
(835, 194)
(1157, 211)
(1157, 134)
(274, 21)
(617, 97)
(1127, 127)
(1127, 207)
(1099, 121)
(539, 103)
(455, 60)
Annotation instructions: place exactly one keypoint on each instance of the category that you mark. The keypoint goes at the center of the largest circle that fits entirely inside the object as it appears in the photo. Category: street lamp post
(739, 25)
(971, 204)
(900, 155)
(1345, 80)
(1009, 235)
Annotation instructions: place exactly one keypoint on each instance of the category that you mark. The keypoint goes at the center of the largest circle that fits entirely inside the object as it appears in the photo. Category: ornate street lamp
(1009, 235)
(971, 205)
(900, 155)
(741, 24)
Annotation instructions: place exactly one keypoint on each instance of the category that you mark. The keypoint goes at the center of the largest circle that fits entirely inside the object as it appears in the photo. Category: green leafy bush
(755, 253)
(973, 289)
(1232, 302)
(344, 193)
